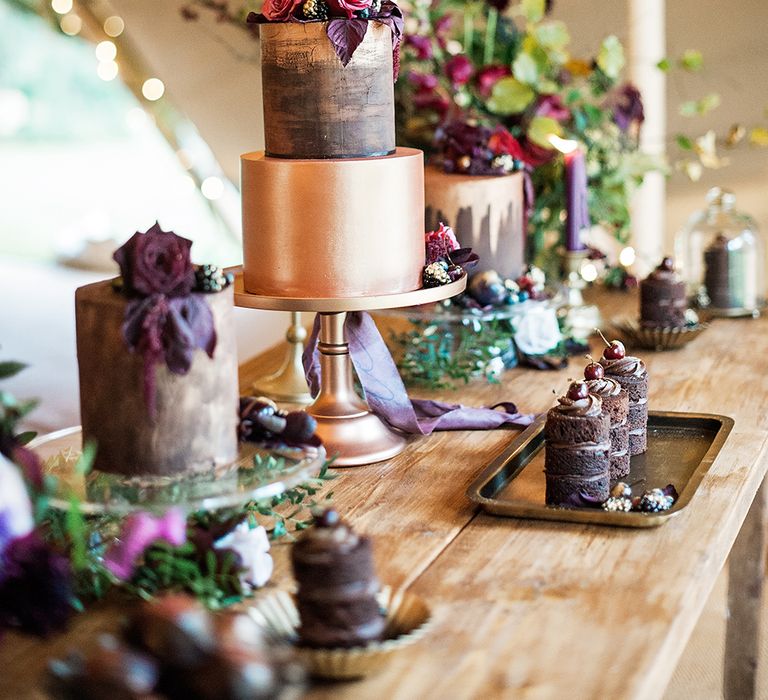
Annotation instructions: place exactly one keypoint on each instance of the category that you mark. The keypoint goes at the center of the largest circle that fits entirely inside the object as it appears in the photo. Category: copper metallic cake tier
(195, 426)
(487, 214)
(333, 228)
(315, 107)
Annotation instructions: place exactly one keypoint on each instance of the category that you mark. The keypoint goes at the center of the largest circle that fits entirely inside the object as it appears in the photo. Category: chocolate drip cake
(662, 298)
(578, 448)
(631, 374)
(337, 586)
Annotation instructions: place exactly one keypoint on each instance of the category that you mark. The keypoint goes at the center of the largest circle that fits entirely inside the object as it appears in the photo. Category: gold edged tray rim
(415, 297)
(527, 510)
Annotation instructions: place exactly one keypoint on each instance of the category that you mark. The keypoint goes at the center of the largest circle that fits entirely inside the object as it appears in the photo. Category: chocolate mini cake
(616, 407)
(337, 586)
(578, 447)
(717, 273)
(662, 298)
(630, 372)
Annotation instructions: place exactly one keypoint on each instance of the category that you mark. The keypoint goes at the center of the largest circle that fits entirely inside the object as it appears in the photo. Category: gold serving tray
(681, 449)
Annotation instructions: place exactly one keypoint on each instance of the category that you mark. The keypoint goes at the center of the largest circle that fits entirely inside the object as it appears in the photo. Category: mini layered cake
(158, 362)
(616, 407)
(337, 586)
(662, 298)
(578, 448)
(717, 273)
(631, 373)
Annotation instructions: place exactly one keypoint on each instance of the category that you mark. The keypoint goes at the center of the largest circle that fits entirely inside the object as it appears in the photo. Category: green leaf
(692, 60)
(664, 65)
(684, 142)
(541, 128)
(26, 437)
(552, 35)
(76, 532)
(510, 96)
(695, 108)
(610, 58)
(10, 368)
(85, 460)
(533, 10)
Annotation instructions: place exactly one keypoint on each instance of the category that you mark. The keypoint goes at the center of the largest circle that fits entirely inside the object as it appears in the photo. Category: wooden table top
(526, 608)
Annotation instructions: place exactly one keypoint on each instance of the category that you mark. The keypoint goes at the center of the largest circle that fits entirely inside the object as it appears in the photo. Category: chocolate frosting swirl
(625, 367)
(662, 274)
(320, 539)
(591, 406)
(604, 387)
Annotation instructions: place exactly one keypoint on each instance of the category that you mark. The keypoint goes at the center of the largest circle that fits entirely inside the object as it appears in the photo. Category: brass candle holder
(288, 384)
(345, 424)
(580, 318)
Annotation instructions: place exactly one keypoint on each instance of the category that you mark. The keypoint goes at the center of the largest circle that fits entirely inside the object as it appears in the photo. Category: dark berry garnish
(328, 518)
(594, 370)
(668, 264)
(299, 427)
(578, 391)
(614, 350)
(210, 278)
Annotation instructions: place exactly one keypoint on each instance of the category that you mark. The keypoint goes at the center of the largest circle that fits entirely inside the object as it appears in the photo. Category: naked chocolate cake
(616, 407)
(631, 373)
(158, 364)
(577, 448)
(662, 298)
(337, 586)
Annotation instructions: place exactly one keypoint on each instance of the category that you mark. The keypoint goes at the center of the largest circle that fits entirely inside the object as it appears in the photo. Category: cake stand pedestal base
(348, 429)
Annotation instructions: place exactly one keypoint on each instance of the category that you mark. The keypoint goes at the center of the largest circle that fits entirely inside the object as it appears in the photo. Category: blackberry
(210, 278)
(315, 10)
(260, 419)
(435, 275)
(654, 501)
(299, 427)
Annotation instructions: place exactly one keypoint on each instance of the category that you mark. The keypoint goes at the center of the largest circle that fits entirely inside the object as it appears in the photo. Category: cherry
(328, 518)
(615, 351)
(668, 264)
(577, 391)
(594, 370)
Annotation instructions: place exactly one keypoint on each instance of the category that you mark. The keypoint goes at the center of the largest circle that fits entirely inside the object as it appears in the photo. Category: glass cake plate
(258, 474)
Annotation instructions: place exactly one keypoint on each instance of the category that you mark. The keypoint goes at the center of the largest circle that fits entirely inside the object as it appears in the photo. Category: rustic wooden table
(541, 609)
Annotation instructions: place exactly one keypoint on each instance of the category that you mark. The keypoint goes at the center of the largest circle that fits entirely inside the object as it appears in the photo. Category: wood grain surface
(530, 609)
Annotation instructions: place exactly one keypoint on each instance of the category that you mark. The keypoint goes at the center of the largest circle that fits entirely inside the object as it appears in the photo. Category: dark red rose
(424, 82)
(627, 104)
(536, 155)
(348, 7)
(156, 262)
(503, 143)
(488, 76)
(421, 45)
(279, 10)
(443, 24)
(552, 106)
(432, 101)
(459, 70)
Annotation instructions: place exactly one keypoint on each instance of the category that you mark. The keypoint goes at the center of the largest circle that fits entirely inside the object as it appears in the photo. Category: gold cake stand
(345, 424)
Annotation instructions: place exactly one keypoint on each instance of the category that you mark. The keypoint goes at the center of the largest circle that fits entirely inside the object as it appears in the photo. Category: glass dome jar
(721, 256)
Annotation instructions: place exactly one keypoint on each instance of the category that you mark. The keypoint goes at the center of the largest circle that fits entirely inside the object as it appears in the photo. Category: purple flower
(459, 70)
(15, 508)
(443, 24)
(432, 101)
(35, 588)
(251, 545)
(421, 44)
(627, 104)
(552, 106)
(139, 531)
(156, 262)
(423, 82)
(488, 76)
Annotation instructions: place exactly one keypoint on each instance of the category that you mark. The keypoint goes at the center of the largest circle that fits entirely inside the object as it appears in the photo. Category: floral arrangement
(446, 260)
(167, 318)
(484, 94)
(53, 561)
(347, 21)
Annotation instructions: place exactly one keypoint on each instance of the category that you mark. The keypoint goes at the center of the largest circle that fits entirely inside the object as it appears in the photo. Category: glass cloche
(721, 256)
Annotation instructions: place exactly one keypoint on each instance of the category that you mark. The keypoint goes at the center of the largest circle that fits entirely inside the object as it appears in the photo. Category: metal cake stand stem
(347, 427)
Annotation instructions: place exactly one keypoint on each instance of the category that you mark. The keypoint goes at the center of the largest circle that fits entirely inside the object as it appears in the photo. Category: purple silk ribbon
(386, 394)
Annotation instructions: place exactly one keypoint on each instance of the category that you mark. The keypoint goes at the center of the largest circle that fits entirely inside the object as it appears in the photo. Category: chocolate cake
(577, 448)
(631, 374)
(337, 586)
(717, 273)
(662, 298)
(616, 407)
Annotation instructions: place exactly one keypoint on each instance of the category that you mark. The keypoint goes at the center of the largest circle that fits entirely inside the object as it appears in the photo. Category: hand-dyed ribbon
(386, 394)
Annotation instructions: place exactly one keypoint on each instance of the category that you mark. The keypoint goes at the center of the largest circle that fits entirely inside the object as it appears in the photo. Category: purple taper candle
(575, 198)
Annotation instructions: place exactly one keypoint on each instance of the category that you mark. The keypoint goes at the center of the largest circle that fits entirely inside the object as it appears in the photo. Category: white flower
(538, 277)
(537, 331)
(495, 367)
(15, 509)
(252, 546)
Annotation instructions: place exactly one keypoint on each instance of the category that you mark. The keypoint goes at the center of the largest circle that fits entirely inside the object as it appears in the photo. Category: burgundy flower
(459, 70)
(432, 101)
(421, 44)
(348, 7)
(627, 105)
(440, 243)
(35, 586)
(443, 24)
(423, 82)
(279, 10)
(488, 76)
(552, 106)
(156, 262)
(503, 143)
(464, 147)
(536, 155)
